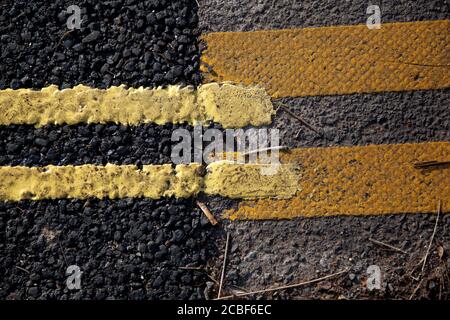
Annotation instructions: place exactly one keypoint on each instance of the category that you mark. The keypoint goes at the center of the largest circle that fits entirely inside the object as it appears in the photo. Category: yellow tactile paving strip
(227, 104)
(370, 180)
(152, 181)
(333, 60)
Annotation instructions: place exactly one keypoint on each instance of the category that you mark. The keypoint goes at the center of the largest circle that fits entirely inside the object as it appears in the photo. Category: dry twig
(415, 290)
(23, 269)
(432, 237)
(223, 266)
(306, 124)
(424, 259)
(212, 279)
(430, 164)
(207, 213)
(192, 268)
(387, 246)
(285, 287)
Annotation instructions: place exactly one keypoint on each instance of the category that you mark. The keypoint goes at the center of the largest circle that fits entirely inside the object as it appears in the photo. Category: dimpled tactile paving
(333, 60)
(369, 180)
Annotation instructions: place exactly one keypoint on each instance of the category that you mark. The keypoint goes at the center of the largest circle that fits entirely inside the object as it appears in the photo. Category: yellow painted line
(227, 104)
(110, 181)
(251, 181)
(333, 60)
(370, 180)
(152, 181)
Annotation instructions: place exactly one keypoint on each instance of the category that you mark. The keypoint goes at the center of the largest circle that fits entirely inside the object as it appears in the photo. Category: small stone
(94, 35)
(78, 47)
(158, 282)
(59, 56)
(186, 279)
(33, 291)
(432, 285)
(15, 84)
(12, 147)
(178, 236)
(142, 248)
(68, 43)
(250, 256)
(41, 142)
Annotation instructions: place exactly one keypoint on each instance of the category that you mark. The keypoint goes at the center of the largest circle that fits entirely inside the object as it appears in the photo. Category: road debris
(207, 213)
(284, 287)
(387, 246)
(224, 265)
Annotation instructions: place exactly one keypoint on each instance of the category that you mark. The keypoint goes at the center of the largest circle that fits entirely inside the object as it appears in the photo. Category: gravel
(126, 249)
(268, 254)
(137, 43)
(85, 144)
(97, 144)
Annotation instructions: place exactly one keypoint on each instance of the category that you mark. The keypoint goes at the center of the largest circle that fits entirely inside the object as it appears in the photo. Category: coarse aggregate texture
(362, 119)
(126, 249)
(227, 104)
(266, 254)
(137, 43)
(99, 144)
(250, 15)
(332, 60)
(333, 239)
(360, 180)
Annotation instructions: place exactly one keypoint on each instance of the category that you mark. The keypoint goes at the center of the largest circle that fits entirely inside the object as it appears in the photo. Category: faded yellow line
(227, 104)
(370, 180)
(333, 60)
(152, 181)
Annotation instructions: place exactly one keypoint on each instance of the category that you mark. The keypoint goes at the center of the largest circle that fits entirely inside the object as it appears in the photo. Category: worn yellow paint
(152, 181)
(333, 60)
(227, 104)
(369, 180)
(251, 180)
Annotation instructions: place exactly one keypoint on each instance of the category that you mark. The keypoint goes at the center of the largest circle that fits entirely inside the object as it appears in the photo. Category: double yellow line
(312, 181)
